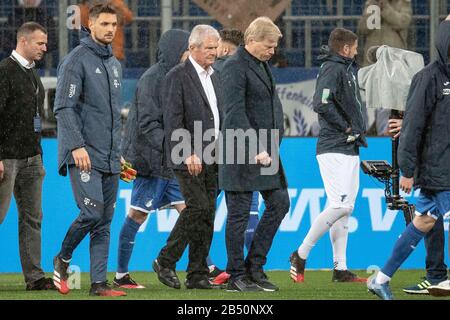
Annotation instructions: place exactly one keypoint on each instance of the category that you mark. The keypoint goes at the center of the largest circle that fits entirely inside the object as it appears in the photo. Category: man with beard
(87, 107)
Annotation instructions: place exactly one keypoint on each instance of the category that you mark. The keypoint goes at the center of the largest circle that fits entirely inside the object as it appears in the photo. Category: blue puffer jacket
(143, 142)
(87, 106)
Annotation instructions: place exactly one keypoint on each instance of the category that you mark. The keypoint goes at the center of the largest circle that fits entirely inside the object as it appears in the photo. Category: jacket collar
(196, 80)
(335, 58)
(199, 69)
(101, 51)
(254, 64)
(23, 62)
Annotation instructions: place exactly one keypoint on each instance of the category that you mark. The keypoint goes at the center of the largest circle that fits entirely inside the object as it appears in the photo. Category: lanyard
(35, 84)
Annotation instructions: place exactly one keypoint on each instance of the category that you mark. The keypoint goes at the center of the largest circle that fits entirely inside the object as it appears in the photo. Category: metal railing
(291, 24)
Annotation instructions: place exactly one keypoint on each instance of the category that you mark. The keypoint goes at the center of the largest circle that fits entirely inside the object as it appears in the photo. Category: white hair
(200, 33)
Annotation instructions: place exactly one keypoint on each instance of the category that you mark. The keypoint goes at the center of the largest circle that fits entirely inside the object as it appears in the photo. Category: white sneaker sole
(423, 291)
(438, 291)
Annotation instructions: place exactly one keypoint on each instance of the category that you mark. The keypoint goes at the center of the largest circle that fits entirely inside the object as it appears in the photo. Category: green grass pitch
(317, 286)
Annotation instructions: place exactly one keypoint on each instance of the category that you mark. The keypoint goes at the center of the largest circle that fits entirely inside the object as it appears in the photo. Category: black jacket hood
(171, 46)
(442, 44)
(327, 55)
(86, 40)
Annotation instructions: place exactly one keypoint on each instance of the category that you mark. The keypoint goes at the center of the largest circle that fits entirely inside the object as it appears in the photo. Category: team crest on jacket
(85, 177)
(116, 72)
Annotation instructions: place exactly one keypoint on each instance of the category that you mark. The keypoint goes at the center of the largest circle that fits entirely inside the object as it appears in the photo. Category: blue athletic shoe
(381, 290)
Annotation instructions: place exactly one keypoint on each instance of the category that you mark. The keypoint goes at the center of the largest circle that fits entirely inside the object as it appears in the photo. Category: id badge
(37, 124)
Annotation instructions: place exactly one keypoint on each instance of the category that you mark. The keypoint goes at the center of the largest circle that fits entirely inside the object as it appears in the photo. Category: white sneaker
(441, 289)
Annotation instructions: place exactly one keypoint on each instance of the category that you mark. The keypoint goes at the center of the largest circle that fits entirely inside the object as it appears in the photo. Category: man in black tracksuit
(424, 161)
(87, 107)
(341, 118)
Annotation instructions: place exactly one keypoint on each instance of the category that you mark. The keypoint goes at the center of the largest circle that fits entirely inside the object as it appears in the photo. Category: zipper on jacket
(356, 96)
(112, 114)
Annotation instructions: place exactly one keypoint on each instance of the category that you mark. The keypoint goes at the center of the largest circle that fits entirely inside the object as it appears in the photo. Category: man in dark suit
(252, 105)
(192, 108)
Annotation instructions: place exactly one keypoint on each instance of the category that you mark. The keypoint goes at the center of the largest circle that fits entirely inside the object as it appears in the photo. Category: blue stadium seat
(149, 8)
(6, 7)
(139, 59)
(295, 57)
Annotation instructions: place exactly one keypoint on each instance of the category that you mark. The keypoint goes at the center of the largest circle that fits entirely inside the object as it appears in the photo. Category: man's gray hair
(200, 33)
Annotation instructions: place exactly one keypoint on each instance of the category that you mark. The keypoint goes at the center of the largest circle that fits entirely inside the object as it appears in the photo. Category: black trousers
(435, 247)
(238, 204)
(195, 225)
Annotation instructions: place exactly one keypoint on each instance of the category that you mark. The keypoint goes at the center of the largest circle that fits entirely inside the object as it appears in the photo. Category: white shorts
(340, 175)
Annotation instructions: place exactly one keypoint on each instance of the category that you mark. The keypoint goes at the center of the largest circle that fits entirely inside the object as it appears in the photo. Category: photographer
(424, 160)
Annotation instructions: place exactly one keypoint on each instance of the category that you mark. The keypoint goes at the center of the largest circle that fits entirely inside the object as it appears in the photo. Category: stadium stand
(143, 34)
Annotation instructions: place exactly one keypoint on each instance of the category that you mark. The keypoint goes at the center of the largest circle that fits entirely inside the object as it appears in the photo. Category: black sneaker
(419, 288)
(346, 276)
(126, 282)
(60, 275)
(297, 271)
(102, 289)
(263, 282)
(201, 283)
(166, 276)
(244, 284)
(41, 284)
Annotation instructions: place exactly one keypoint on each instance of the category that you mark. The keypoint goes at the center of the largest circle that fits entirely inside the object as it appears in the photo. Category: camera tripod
(390, 177)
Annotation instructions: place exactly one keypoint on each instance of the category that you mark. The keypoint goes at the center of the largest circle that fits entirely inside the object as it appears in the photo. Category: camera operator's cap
(372, 54)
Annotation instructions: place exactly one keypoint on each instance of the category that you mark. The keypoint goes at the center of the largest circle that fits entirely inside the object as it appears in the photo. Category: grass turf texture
(318, 286)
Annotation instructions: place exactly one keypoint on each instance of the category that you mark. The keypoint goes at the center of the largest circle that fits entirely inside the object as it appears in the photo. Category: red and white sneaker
(218, 276)
(297, 271)
(126, 282)
(102, 289)
(222, 278)
(60, 275)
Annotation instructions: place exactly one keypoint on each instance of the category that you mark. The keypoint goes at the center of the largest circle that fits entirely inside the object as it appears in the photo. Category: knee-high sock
(319, 227)
(251, 227)
(404, 246)
(126, 243)
(338, 237)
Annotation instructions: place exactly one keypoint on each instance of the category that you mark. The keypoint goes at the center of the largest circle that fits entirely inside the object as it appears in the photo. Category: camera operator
(395, 16)
(424, 160)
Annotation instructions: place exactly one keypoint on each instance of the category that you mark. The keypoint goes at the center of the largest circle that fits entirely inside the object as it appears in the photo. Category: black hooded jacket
(338, 103)
(144, 133)
(424, 150)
